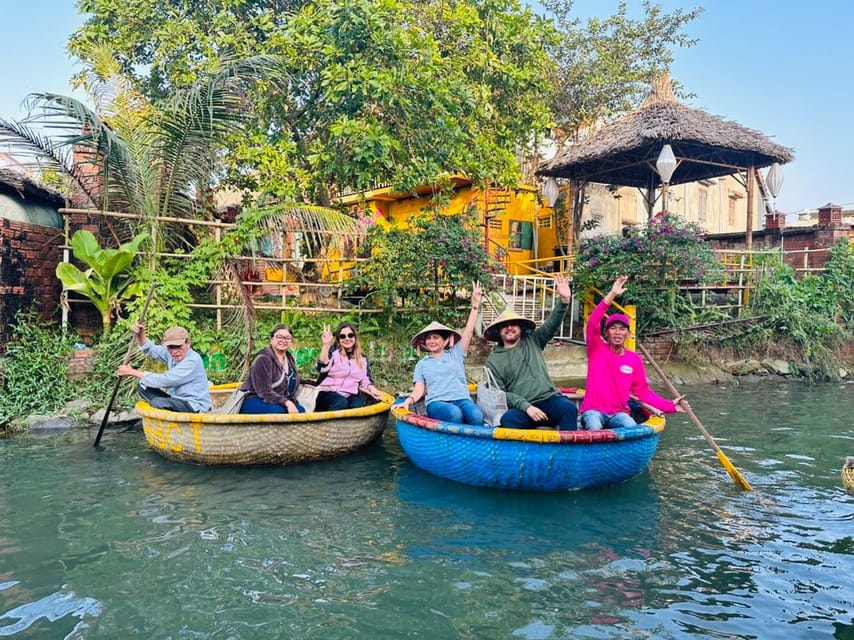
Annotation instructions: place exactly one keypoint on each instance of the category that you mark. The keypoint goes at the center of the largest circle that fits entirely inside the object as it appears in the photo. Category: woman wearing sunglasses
(273, 378)
(343, 370)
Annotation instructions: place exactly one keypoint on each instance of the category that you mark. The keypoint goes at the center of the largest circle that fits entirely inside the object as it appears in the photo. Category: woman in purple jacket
(273, 377)
(343, 369)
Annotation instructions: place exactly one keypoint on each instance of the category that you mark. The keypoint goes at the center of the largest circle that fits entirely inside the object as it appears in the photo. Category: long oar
(730, 468)
(125, 361)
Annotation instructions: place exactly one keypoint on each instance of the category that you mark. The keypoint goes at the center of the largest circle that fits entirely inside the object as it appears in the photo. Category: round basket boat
(527, 459)
(848, 475)
(247, 439)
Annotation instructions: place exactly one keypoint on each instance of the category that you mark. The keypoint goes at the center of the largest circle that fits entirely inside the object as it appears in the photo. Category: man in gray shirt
(185, 376)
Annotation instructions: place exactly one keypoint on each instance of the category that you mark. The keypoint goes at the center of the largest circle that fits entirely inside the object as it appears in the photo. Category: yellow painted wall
(508, 209)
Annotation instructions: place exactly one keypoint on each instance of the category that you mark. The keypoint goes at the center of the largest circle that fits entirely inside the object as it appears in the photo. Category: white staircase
(531, 297)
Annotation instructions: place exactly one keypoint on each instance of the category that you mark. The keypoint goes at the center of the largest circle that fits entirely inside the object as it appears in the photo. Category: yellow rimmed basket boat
(848, 475)
(528, 459)
(268, 439)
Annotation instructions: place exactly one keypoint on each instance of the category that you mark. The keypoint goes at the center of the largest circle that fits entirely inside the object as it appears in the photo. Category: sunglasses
(174, 347)
(344, 336)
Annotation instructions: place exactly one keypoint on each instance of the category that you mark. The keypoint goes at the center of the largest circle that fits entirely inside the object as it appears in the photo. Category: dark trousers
(159, 399)
(561, 411)
(331, 401)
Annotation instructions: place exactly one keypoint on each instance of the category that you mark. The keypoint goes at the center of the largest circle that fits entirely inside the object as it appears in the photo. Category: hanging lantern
(551, 191)
(774, 179)
(666, 163)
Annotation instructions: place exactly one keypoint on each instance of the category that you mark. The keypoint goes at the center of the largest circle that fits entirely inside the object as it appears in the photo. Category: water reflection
(460, 516)
(123, 543)
(52, 608)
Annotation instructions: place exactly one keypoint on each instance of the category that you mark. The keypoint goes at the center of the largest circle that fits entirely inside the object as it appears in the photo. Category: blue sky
(782, 68)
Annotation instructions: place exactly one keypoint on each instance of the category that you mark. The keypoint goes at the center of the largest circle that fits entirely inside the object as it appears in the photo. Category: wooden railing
(530, 294)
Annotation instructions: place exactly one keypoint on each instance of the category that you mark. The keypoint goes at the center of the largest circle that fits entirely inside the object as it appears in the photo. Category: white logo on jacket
(627, 369)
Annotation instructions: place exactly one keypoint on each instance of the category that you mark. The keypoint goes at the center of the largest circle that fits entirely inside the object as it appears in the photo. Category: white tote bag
(306, 395)
(490, 398)
(233, 403)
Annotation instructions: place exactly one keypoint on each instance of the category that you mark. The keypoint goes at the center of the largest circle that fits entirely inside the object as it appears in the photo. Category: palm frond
(302, 218)
(244, 317)
(36, 151)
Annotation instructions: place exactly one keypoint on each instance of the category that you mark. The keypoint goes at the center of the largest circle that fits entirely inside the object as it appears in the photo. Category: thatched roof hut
(26, 187)
(624, 152)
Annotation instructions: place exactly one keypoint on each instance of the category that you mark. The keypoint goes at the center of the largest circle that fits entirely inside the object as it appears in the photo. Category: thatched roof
(26, 187)
(624, 152)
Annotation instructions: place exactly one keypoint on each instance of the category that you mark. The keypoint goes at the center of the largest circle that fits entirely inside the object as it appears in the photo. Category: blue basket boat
(527, 459)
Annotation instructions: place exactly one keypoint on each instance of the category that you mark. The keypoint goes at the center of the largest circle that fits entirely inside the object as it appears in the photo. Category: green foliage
(432, 260)
(175, 42)
(838, 279)
(605, 65)
(106, 282)
(813, 312)
(656, 257)
(34, 375)
(361, 96)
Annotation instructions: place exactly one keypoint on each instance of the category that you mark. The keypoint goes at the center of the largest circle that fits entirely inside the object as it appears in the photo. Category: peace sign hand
(326, 337)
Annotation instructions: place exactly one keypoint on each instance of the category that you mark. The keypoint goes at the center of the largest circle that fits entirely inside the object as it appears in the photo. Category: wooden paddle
(125, 361)
(730, 468)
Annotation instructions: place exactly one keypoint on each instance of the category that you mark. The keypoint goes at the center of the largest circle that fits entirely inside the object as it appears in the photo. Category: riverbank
(568, 361)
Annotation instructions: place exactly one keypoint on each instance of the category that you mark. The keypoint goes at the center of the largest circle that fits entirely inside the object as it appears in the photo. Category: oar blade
(734, 473)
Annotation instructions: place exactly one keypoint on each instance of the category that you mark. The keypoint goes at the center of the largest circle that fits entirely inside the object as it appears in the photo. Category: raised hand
(476, 295)
(562, 287)
(326, 338)
(619, 286)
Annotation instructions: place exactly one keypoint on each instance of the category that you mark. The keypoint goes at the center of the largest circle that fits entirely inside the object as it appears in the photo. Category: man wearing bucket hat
(615, 373)
(185, 376)
(440, 376)
(520, 368)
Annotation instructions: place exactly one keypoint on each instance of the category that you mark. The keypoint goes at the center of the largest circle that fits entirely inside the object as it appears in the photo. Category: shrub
(34, 375)
(437, 256)
(656, 257)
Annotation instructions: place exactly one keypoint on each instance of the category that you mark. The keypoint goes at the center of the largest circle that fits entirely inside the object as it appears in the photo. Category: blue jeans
(255, 404)
(560, 410)
(592, 420)
(457, 411)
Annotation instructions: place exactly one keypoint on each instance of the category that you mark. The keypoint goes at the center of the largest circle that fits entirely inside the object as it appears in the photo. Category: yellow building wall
(518, 231)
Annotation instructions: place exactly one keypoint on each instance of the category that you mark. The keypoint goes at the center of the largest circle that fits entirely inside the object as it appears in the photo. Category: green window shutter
(527, 235)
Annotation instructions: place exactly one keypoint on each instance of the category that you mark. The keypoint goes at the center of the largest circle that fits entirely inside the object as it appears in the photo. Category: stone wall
(28, 257)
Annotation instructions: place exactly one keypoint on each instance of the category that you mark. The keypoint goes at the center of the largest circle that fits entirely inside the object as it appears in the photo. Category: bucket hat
(175, 336)
(434, 327)
(506, 316)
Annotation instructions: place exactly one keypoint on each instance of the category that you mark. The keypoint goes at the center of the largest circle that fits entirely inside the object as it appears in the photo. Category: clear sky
(783, 68)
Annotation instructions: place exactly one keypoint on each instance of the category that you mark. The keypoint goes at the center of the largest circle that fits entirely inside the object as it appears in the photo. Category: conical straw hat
(434, 327)
(508, 315)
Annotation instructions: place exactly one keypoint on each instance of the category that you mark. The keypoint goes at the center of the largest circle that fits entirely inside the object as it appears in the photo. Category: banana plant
(106, 282)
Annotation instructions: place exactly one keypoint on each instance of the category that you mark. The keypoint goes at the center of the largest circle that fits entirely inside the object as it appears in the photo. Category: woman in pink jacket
(615, 373)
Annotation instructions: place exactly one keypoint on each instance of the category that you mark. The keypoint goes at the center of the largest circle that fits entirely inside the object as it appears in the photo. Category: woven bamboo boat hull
(532, 460)
(245, 439)
(848, 475)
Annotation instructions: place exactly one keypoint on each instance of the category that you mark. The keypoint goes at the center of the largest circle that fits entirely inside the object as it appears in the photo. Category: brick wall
(660, 347)
(28, 257)
(805, 247)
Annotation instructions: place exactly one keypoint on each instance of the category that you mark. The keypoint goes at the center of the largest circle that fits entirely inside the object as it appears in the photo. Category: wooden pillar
(650, 197)
(751, 189)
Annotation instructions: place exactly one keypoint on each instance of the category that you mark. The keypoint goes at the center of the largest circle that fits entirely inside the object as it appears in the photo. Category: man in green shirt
(520, 369)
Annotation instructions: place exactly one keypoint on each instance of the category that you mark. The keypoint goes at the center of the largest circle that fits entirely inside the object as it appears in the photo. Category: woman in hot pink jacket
(615, 373)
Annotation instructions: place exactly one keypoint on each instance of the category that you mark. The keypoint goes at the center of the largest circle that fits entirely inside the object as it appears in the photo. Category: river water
(121, 543)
